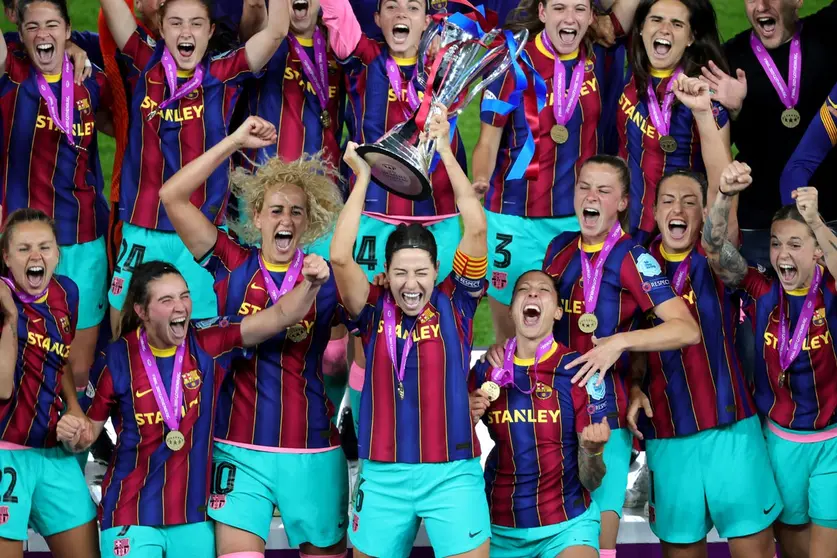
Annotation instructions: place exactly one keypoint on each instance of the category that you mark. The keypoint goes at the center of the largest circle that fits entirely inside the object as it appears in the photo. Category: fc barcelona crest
(499, 279)
(543, 391)
(439, 5)
(116, 286)
(819, 317)
(217, 501)
(192, 379)
(4, 515)
(121, 547)
(65, 323)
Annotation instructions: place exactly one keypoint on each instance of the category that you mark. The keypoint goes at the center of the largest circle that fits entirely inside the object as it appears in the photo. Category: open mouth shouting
(590, 217)
(766, 25)
(788, 273)
(45, 52)
(186, 49)
(677, 229)
(283, 240)
(400, 33)
(661, 47)
(35, 277)
(532, 314)
(567, 35)
(178, 327)
(300, 9)
(412, 301)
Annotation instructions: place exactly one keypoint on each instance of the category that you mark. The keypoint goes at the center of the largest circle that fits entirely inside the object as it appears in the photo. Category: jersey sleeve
(720, 113)
(754, 286)
(88, 41)
(220, 337)
(137, 53)
(231, 66)
(643, 277)
(366, 51)
(344, 29)
(589, 402)
(466, 283)
(105, 397)
(226, 255)
(71, 289)
(496, 107)
(478, 374)
(819, 139)
(365, 322)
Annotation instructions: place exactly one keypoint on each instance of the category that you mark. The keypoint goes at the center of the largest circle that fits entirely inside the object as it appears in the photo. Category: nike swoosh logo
(472, 535)
(142, 393)
(770, 509)
(155, 82)
(258, 288)
(35, 320)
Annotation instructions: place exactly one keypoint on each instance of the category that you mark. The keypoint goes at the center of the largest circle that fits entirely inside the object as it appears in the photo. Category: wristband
(591, 454)
(725, 194)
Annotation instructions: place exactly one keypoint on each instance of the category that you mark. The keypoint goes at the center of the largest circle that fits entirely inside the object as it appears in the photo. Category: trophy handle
(521, 37)
(427, 37)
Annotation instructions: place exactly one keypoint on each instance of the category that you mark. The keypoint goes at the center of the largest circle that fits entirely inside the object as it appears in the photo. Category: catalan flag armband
(470, 272)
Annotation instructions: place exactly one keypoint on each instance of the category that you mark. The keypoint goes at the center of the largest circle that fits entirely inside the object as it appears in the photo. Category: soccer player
(419, 452)
(528, 205)
(181, 105)
(39, 478)
(159, 382)
(795, 371)
(671, 41)
(549, 436)
(50, 160)
(274, 419)
(705, 449)
(605, 281)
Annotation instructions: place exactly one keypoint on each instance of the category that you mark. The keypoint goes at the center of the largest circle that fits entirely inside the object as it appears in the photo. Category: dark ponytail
(410, 236)
(144, 274)
(18, 217)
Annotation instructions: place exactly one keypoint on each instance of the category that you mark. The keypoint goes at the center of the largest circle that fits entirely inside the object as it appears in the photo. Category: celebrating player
(529, 205)
(670, 43)
(158, 383)
(181, 106)
(419, 453)
(38, 476)
(274, 428)
(795, 369)
(604, 280)
(51, 158)
(705, 448)
(549, 436)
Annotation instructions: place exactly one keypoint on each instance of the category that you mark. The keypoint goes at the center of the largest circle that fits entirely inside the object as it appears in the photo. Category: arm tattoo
(715, 227)
(591, 469)
(733, 266)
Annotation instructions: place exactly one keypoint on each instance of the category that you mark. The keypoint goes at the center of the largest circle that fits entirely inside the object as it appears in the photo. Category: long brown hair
(526, 16)
(19, 217)
(144, 274)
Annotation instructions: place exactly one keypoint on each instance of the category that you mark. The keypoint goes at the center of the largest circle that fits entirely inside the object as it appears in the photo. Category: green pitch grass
(731, 18)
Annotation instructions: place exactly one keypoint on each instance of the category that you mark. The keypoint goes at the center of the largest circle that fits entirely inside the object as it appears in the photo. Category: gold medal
(175, 440)
(400, 391)
(491, 390)
(588, 322)
(559, 134)
(325, 119)
(791, 118)
(668, 144)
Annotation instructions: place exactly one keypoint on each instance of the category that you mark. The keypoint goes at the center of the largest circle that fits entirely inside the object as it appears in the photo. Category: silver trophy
(400, 159)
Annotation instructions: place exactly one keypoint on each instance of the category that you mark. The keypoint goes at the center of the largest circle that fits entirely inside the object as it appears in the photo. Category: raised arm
(253, 19)
(120, 21)
(350, 278)
(194, 229)
(261, 46)
(591, 465)
(484, 159)
(807, 203)
(725, 259)
(624, 11)
(343, 28)
(8, 342)
(474, 236)
(290, 309)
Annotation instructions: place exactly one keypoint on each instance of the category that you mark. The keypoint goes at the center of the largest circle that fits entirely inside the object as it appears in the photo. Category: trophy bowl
(400, 160)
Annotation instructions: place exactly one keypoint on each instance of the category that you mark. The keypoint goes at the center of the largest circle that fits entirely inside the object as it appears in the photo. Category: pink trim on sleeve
(343, 28)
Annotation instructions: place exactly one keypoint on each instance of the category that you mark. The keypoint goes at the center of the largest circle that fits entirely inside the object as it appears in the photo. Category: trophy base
(395, 171)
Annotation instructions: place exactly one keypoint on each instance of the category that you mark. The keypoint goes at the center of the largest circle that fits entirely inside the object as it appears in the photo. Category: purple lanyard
(317, 74)
(170, 408)
(170, 69)
(395, 81)
(505, 376)
(679, 281)
(788, 92)
(661, 117)
(389, 335)
(789, 351)
(287, 283)
(564, 101)
(24, 298)
(64, 120)
(591, 275)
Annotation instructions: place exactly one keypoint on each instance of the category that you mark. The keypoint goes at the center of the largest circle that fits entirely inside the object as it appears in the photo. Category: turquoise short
(806, 474)
(610, 496)
(311, 490)
(354, 401)
(720, 476)
(391, 499)
(548, 541)
(87, 265)
(517, 245)
(37, 485)
(372, 238)
(172, 541)
(142, 245)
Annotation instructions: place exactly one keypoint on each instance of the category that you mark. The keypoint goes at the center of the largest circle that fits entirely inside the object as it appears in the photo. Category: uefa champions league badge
(648, 266)
(595, 390)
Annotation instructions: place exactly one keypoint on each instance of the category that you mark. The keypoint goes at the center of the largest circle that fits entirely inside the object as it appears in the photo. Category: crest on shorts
(499, 279)
(121, 547)
(192, 379)
(116, 286)
(65, 323)
(543, 391)
(652, 514)
(4, 515)
(819, 317)
(355, 522)
(217, 501)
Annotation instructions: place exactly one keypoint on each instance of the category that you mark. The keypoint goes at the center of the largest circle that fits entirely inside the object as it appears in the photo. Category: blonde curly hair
(313, 175)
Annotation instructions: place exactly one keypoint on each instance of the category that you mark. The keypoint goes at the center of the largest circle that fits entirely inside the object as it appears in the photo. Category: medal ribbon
(287, 283)
(24, 297)
(505, 376)
(170, 408)
(316, 72)
(170, 69)
(389, 335)
(788, 351)
(679, 281)
(591, 275)
(395, 81)
(661, 118)
(788, 92)
(64, 120)
(564, 100)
